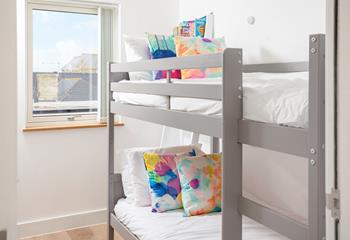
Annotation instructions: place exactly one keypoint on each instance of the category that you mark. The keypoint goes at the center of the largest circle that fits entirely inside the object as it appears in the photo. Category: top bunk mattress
(279, 98)
(173, 225)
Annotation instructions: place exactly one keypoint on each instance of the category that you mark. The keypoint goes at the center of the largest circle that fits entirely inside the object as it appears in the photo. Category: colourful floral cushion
(200, 179)
(164, 181)
(162, 46)
(189, 46)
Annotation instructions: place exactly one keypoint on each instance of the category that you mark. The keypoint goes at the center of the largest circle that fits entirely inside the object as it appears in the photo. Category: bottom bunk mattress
(173, 225)
(279, 98)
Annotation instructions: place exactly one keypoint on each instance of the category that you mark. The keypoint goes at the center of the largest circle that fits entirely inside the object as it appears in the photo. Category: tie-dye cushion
(162, 46)
(190, 46)
(200, 179)
(134, 173)
(164, 180)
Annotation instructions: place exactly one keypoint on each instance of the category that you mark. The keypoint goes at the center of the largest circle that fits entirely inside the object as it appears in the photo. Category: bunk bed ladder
(232, 149)
(308, 143)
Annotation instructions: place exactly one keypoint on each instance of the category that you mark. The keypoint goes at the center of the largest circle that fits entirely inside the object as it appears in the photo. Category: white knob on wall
(251, 20)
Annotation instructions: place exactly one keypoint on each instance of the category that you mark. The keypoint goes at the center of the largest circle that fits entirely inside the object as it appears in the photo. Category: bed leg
(316, 136)
(232, 149)
(110, 233)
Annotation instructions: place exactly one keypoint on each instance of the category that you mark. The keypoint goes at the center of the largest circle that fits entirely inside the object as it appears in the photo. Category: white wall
(63, 174)
(344, 116)
(280, 34)
(8, 124)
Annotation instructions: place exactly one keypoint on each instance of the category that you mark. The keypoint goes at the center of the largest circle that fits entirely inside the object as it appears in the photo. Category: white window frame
(59, 119)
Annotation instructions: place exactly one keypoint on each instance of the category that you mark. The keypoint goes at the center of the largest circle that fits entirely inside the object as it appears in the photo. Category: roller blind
(108, 35)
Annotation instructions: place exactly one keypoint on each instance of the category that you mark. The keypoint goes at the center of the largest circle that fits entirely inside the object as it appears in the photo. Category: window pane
(65, 53)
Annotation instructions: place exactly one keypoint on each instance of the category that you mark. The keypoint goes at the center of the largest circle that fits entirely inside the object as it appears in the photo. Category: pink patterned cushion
(190, 46)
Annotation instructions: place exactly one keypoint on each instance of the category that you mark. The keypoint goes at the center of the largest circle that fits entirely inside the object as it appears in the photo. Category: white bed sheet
(147, 100)
(173, 226)
(280, 98)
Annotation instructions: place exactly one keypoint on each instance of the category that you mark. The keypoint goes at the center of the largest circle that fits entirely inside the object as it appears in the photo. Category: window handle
(73, 118)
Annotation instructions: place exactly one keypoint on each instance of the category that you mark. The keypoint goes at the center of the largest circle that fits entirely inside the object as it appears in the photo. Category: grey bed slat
(274, 137)
(274, 220)
(288, 140)
(277, 67)
(182, 120)
(205, 91)
(200, 61)
(205, 61)
(120, 228)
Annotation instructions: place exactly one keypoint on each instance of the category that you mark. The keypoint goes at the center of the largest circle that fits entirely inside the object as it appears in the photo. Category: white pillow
(136, 187)
(127, 179)
(136, 49)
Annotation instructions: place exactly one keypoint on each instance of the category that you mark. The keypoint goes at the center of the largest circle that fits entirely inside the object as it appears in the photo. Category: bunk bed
(234, 131)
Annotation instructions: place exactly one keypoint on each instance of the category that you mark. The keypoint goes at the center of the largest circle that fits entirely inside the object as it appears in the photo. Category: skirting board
(56, 224)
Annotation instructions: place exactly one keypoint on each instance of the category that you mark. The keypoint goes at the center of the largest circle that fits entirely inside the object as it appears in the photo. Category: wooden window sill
(68, 127)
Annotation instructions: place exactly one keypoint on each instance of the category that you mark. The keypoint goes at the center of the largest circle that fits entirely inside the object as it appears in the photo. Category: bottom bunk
(140, 223)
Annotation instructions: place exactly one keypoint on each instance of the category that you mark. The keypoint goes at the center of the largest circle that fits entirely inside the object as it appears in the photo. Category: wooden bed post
(111, 193)
(316, 137)
(232, 149)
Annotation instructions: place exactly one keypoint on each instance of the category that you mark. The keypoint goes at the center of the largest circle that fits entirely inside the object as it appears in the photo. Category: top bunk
(212, 125)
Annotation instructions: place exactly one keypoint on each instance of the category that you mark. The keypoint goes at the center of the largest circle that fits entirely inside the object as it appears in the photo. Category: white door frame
(331, 177)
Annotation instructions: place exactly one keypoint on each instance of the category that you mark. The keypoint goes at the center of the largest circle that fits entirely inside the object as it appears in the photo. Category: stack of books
(200, 27)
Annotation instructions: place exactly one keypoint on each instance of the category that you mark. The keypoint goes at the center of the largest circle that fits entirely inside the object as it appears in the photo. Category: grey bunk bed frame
(234, 131)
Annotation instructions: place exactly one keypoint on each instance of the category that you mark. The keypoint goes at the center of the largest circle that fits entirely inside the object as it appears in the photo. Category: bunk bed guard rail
(234, 131)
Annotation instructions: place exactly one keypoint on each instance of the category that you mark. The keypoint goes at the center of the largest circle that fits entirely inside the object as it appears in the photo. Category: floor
(97, 232)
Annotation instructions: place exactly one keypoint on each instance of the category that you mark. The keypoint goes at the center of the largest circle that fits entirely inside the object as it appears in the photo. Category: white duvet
(280, 98)
(173, 226)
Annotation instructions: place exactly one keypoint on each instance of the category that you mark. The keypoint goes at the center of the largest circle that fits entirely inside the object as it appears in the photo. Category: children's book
(200, 27)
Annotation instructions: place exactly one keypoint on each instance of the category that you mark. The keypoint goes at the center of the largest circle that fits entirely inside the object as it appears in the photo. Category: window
(65, 64)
